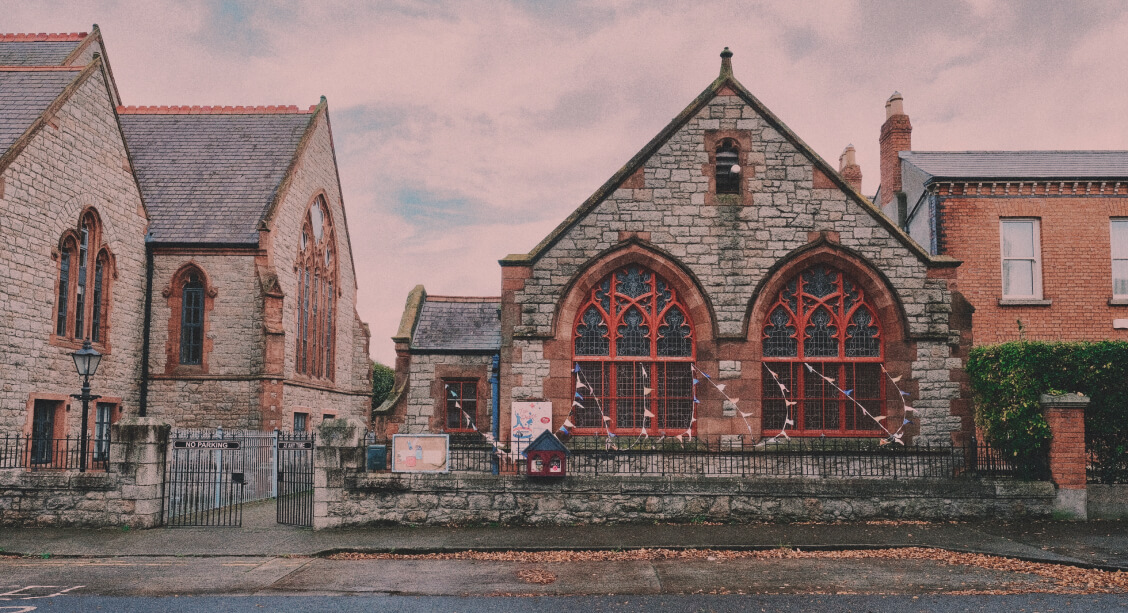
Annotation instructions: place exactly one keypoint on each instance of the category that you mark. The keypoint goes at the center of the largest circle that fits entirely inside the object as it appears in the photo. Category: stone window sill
(1118, 302)
(1024, 302)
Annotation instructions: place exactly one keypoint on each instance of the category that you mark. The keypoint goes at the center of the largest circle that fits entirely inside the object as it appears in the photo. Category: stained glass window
(317, 269)
(822, 318)
(642, 380)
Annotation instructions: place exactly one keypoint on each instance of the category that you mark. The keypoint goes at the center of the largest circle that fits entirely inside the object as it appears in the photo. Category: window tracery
(317, 273)
(83, 287)
(633, 346)
(823, 318)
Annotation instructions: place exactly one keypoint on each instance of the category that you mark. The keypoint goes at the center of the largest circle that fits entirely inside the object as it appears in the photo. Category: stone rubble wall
(479, 498)
(128, 493)
(421, 402)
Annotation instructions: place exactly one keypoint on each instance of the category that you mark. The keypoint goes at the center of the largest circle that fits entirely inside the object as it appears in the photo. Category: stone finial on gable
(726, 64)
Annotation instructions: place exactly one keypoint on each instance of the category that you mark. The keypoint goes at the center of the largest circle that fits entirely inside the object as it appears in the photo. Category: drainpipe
(143, 405)
(495, 368)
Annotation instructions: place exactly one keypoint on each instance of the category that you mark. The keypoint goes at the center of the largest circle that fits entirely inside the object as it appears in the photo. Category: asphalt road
(1042, 603)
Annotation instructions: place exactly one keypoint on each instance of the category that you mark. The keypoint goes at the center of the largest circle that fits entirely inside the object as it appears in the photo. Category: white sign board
(528, 420)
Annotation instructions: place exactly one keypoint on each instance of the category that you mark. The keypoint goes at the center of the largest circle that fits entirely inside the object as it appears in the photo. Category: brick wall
(77, 161)
(1076, 265)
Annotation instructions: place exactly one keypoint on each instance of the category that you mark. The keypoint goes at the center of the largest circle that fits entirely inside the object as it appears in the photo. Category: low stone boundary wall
(128, 493)
(1108, 501)
(463, 499)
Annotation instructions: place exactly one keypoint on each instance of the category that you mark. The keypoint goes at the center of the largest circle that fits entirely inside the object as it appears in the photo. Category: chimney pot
(895, 105)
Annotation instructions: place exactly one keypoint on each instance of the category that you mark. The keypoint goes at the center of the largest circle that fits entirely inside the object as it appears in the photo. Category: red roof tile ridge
(41, 68)
(279, 109)
(32, 37)
(432, 298)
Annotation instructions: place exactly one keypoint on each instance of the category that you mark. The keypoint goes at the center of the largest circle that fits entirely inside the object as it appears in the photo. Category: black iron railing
(41, 453)
(1107, 458)
(823, 458)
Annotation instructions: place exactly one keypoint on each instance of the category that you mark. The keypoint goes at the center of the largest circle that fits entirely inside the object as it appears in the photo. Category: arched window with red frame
(821, 317)
(83, 288)
(317, 273)
(633, 348)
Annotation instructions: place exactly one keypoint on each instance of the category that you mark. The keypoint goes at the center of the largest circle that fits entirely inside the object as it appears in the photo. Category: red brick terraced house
(725, 252)
(219, 231)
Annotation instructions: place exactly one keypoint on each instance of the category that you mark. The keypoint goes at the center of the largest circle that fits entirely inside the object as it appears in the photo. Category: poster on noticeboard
(420, 453)
(528, 420)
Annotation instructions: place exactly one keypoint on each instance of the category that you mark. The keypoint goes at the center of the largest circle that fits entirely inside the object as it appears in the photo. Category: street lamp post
(86, 361)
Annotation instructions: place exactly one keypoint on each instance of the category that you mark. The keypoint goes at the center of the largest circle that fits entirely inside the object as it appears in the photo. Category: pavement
(1091, 544)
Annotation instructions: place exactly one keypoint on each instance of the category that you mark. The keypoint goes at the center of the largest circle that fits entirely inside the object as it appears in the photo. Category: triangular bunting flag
(643, 368)
(904, 393)
(720, 387)
(734, 400)
(788, 422)
(647, 413)
(790, 403)
(579, 395)
(906, 422)
(646, 391)
(895, 379)
(563, 429)
(696, 381)
(457, 405)
(580, 384)
(910, 409)
(679, 437)
(848, 392)
(576, 368)
(568, 423)
(878, 418)
(578, 404)
(745, 415)
(606, 418)
(809, 367)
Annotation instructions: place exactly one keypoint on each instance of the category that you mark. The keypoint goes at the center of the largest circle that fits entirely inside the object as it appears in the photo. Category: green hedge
(1008, 379)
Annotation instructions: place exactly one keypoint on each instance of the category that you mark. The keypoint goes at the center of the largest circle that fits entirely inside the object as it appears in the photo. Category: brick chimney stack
(896, 136)
(849, 169)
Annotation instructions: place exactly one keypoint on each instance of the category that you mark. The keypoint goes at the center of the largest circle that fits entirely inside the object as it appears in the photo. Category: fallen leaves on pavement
(1066, 579)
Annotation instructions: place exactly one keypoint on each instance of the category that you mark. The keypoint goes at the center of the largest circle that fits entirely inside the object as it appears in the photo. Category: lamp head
(86, 360)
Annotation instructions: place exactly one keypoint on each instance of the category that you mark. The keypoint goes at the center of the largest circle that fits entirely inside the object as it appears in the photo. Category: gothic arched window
(83, 287)
(192, 319)
(317, 273)
(821, 317)
(633, 346)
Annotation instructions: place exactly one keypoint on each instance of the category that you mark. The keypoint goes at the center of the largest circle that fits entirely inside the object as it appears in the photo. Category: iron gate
(205, 480)
(294, 464)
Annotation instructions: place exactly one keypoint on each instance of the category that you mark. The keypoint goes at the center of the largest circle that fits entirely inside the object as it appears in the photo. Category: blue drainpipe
(495, 367)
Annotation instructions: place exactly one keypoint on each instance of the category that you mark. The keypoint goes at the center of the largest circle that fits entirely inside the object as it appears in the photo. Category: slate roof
(1020, 164)
(458, 324)
(24, 95)
(36, 53)
(210, 177)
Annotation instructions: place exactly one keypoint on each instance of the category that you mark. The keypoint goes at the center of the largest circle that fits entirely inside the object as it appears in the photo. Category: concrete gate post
(337, 456)
(138, 452)
(1066, 416)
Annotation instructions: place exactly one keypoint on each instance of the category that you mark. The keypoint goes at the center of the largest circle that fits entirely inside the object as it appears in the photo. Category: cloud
(466, 131)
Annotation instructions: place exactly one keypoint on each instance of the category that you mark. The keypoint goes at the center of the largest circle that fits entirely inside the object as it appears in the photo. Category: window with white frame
(1022, 259)
(1119, 232)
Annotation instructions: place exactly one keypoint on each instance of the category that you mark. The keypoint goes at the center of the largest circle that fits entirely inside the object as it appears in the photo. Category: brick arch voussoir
(689, 289)
(879, 291)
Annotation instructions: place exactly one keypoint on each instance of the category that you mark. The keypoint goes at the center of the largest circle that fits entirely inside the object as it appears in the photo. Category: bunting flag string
(577, 403)
(892, 436)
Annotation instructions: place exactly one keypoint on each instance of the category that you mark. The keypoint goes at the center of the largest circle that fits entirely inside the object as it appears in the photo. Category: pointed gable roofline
(6, 157)
(725, 83)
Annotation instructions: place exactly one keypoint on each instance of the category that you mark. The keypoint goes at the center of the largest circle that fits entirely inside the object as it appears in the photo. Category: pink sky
(466, 131)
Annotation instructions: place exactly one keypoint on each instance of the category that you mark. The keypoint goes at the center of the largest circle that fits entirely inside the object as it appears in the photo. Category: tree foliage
(382, 380)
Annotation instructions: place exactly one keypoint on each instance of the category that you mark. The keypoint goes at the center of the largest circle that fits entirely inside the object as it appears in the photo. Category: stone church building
(726, 282)
(204, 251)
